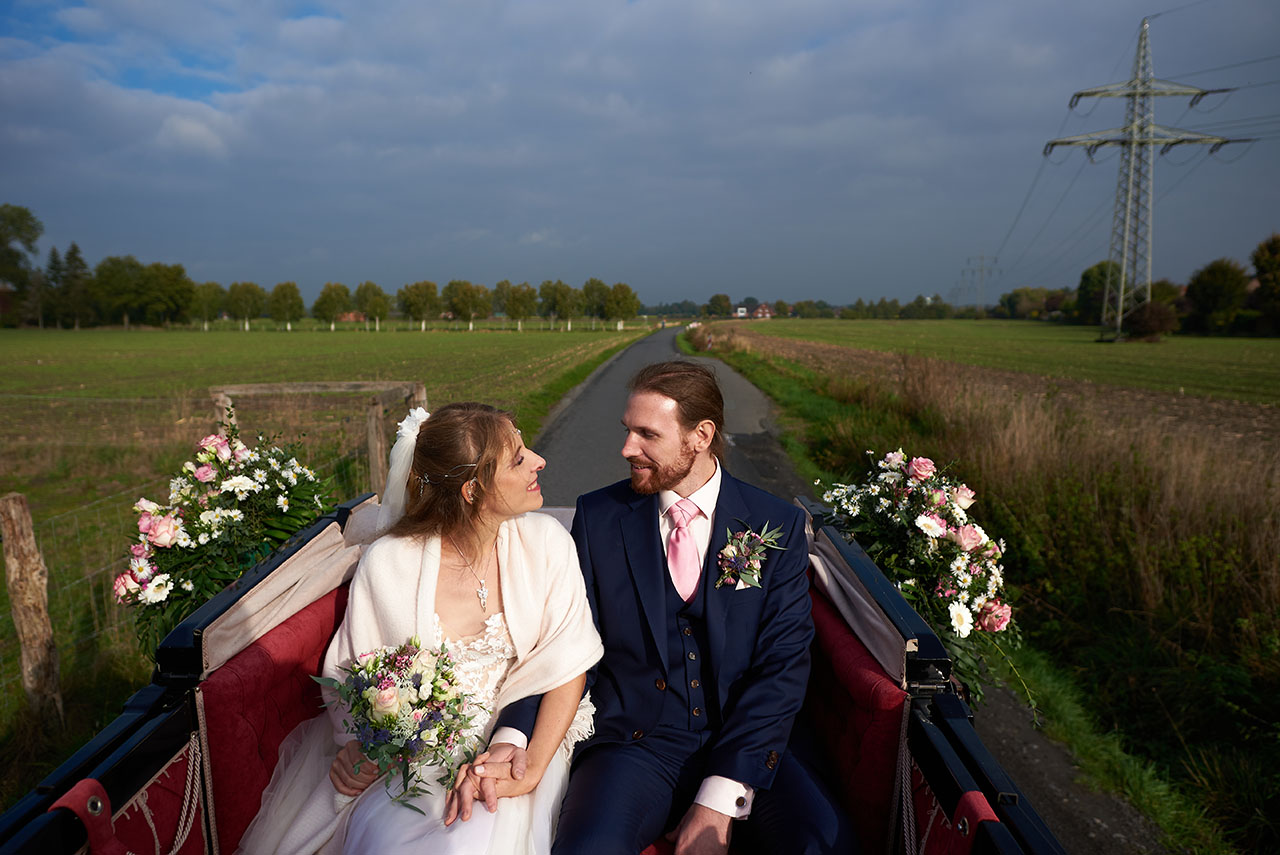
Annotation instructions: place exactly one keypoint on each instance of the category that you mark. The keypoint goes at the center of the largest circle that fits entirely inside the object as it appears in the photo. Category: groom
(703, 672)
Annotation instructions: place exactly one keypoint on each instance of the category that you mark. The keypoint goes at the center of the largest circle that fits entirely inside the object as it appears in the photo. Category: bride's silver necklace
(482, 593)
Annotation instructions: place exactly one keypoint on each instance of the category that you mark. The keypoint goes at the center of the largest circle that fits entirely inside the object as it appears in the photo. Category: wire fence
(86, 548)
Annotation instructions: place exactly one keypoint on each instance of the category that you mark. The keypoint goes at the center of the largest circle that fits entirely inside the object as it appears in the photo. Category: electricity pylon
(1131, 221)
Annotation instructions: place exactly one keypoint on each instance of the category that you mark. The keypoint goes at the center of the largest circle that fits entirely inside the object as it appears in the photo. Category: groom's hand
(703, 831)
(502, 762)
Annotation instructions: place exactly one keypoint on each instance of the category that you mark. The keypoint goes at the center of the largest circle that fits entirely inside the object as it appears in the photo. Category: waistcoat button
(661, 684)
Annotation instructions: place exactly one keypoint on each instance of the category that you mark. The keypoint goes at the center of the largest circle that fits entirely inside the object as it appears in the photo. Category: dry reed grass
(1198, 520)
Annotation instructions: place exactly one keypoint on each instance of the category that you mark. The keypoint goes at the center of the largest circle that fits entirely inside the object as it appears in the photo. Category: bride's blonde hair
(459, 449)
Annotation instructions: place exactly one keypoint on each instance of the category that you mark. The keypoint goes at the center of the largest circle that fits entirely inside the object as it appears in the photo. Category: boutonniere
(740, 559)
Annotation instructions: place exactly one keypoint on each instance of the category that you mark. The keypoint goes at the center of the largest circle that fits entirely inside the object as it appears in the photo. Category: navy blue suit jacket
(758, 638)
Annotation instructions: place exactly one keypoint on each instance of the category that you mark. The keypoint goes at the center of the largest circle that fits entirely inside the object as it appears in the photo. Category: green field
(1243, 369)
(91, 420)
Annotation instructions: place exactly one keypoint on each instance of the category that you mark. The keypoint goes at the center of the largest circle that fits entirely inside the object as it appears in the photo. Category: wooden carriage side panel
(248, 706)
(857, 710)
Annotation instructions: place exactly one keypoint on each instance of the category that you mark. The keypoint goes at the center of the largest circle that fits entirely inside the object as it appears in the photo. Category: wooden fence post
(28, 580)
(419, 397)
(221, 406)
(377, 446)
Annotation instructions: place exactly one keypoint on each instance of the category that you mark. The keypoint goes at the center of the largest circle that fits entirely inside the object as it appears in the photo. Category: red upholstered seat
(250, 704)
(857, 710)
(253, 701)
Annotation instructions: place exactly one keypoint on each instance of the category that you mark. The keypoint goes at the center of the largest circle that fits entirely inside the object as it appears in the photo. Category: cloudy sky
(811, 148)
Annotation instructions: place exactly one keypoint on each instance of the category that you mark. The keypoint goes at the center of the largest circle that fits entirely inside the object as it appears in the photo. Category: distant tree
(720, 305)
(805, 309)
(621, 303)
(286, 304)
(207, 301)
(75, 295)
(501, 291)
(42, 292)
(1216, 293)
(246, 301)
(1151, 320)
(420, 302)
(467, 301)
(558, 300)
(1266, 266)
(1092, 291)
(781, 309)
(750, 304)
(334, 299)
(167, 291)
(19, 232)
(522, 304)
(594, 296)
(118, 289)
(372, 302)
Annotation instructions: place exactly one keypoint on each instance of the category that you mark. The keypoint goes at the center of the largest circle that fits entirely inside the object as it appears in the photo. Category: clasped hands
(499, 773)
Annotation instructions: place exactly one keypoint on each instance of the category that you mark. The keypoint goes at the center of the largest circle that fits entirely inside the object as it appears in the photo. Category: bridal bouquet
(227, 509)
(405, 709)
(914, 522)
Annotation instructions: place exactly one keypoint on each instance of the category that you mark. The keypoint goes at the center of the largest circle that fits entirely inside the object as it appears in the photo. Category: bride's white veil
(393, 494)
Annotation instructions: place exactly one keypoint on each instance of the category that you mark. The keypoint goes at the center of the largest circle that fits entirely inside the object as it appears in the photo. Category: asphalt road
(583, 436)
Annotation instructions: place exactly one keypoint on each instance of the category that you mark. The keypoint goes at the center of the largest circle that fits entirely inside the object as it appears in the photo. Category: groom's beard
(655, 478)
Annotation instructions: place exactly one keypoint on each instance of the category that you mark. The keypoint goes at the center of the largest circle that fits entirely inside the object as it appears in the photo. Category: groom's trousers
(624, 796)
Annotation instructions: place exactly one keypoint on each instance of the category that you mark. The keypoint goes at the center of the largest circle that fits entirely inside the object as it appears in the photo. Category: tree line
(66, 292)
(1219, 299)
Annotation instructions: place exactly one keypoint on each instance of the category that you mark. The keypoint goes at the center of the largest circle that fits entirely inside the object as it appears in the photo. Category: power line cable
(1049, 219)
(1232, 65)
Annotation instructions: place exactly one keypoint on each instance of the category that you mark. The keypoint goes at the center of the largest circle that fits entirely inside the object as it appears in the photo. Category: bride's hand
(462, 795)
(343, 774)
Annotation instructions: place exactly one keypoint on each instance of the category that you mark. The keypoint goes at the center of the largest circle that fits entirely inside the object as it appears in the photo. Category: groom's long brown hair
(694, 389)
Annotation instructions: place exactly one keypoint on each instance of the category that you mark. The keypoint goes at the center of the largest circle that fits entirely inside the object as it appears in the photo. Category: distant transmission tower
(1131, 222)
(985, 265)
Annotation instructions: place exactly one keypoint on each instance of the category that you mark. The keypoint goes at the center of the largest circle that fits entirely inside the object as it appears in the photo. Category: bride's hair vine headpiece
(393, 498)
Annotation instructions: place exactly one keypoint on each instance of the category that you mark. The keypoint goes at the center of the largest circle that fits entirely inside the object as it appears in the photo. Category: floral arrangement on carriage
(227, 509)
(914, 522)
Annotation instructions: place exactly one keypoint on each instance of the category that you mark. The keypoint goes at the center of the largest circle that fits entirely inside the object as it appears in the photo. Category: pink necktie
(682, 551)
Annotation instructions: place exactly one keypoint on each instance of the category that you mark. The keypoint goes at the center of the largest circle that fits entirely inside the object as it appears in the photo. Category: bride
(464, 564)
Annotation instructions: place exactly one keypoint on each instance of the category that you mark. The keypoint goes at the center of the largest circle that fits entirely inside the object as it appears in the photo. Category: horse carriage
(182, 769)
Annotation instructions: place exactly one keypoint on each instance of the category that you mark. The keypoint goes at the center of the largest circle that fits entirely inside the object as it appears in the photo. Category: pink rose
(994, 616)
(894, 459)
(144, 522)
(139, 550)
(920, 468)
(963, 497)
(217, 443)
(386, 702)
(241, 451)
(164, 531)
(967, 538)
(206, 473)
(146, 506)
(937, 498)
(125, 587)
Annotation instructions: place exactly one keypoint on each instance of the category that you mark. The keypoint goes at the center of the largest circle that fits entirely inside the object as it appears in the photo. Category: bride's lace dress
(481, 662)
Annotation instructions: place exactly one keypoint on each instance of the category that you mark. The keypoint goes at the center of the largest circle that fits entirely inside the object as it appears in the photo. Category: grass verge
(1102, 756)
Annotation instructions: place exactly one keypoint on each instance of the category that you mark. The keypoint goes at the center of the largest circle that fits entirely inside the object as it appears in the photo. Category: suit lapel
(642, 547)
(731, 514)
